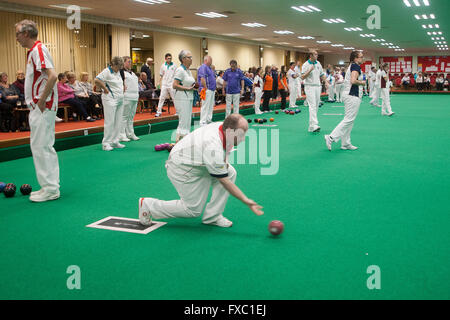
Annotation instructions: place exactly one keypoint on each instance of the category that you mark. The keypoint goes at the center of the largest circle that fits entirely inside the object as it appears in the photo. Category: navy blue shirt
(354, 90)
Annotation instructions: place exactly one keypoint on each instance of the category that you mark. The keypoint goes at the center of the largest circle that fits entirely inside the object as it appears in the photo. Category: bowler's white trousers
(206, 111)
(344, 128)
(232, 99)
(165, 93)
(293, 95)
(42, 139)
(113, 112)
(129, 111)
(184, 111)
(193, 184)
(386, 101)
(313, 100)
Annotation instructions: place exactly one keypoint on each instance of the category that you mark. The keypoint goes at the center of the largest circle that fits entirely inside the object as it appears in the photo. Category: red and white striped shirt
(38, 59)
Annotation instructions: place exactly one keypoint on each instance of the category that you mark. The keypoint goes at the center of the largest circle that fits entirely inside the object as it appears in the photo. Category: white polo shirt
(313, 78)
(38, 59)
(167, 73)
(113, 82)
(186, 80)
(290, 76)
(204, 147)
(132, 86)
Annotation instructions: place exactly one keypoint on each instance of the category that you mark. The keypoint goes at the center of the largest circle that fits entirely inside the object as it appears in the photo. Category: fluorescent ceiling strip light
(314, 8)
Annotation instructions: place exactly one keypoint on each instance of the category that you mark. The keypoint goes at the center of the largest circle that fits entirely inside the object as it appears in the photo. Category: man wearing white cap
(197, 164)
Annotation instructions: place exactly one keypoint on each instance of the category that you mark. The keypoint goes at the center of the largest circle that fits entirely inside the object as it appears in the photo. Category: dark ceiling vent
(228, 12)
(177, 17)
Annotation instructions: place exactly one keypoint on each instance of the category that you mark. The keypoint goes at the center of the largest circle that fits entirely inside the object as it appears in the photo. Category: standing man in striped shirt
(41, 96)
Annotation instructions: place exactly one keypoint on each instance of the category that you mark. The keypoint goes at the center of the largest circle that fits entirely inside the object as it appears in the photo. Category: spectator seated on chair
(446, 82)
(66, 95)
(94, 96)
(82, 94)
(145, 90)
(11, 98)
(440, 82)
(405, 81)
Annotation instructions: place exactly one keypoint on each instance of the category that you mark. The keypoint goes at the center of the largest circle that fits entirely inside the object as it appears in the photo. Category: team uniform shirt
(206, 73)
(290, 76)
(233, 79)
(268, 82)
(38, 59)
(378, 79)
(313, 78)
(331, 79)
(258, 82)
(113, 82)
(339, 78)
(186, 79)
(280, 85)
(167, 72)
(132, 86)
(204, 147)
(419, 79)
(349, 89)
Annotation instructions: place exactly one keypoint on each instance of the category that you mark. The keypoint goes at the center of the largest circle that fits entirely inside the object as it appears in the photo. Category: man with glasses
(41, 96)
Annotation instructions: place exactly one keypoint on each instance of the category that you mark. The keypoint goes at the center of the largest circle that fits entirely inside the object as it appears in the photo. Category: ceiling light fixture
(253, 25)
(211, 15)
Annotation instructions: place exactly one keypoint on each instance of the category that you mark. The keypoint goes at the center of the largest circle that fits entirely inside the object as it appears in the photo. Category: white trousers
(42, 139)
(386, 101)
(258, 95)
(293, 96)
(344, 128)
(113, 111)
(376, 95)
(184, 111)
(299, 89)
(313, 100)
(165, 93)
(206, 111)
(129, 111)
(331, 92)
(339, 91)
(232, 99)
(371, 88)
(193, 185)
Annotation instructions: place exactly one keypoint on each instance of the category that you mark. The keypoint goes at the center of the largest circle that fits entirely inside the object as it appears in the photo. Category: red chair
(398, 82)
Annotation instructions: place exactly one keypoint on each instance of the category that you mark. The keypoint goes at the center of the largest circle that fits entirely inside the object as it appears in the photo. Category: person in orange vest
(268, 86)
(283, 87)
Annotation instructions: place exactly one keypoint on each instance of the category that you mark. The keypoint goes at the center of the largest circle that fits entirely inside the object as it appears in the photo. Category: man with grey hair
(146, 67)
(41, 96)
(196, 164)
(206, 78)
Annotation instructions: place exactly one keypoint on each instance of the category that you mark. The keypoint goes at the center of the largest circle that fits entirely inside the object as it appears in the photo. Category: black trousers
(266, 99)
(439, 86)
(283, 94)
(78, 105)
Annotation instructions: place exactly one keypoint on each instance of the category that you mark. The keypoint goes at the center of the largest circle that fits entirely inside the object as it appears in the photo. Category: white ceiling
(398, 25)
